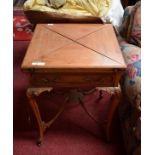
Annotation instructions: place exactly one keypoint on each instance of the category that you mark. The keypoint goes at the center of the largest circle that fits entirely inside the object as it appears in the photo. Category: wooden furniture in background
(126, 3)
(36, 17)
(73, 56)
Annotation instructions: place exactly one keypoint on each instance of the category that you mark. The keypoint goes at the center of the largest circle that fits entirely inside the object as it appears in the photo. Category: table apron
(74, 80)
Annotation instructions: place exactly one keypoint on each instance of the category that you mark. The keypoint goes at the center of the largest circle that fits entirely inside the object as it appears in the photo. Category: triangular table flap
(99, 42)
(74, 31)
(43, 42)
(75, 55)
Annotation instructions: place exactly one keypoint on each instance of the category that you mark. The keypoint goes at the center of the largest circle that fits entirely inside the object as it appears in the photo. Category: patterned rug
(22, 28)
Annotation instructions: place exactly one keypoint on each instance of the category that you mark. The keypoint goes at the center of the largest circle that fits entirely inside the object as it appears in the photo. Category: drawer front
(72, 80)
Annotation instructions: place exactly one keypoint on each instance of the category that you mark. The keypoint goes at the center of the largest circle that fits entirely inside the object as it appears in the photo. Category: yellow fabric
(74, 7)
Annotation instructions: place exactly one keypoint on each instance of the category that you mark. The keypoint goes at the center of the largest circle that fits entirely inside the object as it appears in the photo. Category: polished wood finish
(37, 17)
(95, 50)
(116, 95)
(73, 56)
(31, 92)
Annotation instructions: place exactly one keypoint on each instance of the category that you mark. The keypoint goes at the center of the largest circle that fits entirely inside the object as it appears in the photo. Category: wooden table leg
(73, 94)
(61, 109)
(114, 105)
(31, 92)
(76, 95)
(87, 112)
(115, 100)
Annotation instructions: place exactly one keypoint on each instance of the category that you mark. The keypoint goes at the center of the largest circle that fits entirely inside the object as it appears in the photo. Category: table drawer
(71, 80)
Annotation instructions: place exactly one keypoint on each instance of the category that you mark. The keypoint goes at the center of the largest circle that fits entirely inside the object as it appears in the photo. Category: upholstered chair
(130, 108)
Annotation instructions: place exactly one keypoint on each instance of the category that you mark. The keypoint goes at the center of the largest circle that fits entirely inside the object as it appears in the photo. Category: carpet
(22, 28)
(73, 133)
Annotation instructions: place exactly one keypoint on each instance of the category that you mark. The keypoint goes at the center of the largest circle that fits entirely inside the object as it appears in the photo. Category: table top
(57, 47)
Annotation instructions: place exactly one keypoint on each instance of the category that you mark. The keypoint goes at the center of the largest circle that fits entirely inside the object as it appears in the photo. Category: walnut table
(73, 56)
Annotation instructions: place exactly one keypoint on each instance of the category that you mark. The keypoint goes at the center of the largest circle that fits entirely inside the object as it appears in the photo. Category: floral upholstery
(130, 29)
(130, 107)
